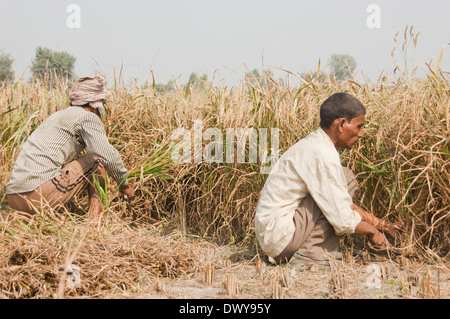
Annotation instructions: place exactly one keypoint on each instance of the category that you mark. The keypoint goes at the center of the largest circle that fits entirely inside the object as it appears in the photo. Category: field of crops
(184, 209)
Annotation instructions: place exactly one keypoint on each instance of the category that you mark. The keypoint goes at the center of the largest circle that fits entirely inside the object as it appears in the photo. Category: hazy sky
(225, 38)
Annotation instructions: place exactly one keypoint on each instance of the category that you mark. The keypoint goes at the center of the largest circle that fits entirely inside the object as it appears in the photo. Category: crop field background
(190, 230)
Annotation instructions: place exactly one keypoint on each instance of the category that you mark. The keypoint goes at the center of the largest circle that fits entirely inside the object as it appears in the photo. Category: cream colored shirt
(311, 166)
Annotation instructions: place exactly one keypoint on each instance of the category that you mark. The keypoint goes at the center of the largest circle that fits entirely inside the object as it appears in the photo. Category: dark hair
(340, 105)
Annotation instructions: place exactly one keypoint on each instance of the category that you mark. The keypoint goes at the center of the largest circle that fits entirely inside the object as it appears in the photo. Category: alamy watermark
(73, 279)
(374, 19)
(249, 144)
(374, 278)
(73, 21)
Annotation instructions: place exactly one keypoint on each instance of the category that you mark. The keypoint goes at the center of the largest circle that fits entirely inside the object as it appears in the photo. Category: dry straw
(402, 166)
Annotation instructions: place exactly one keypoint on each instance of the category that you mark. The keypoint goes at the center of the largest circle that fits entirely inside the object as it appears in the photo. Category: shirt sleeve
(327, 185)
(93, 133)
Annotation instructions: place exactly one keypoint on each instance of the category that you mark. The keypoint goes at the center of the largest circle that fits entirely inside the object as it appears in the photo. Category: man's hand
(127, 191)
(379, 240)
(392, 229)
(376, 237)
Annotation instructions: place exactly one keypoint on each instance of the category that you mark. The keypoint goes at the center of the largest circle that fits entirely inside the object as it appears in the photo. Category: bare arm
(371, 226)
(384, 226)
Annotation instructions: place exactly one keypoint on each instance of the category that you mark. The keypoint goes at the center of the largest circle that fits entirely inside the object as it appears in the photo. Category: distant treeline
(48, 65)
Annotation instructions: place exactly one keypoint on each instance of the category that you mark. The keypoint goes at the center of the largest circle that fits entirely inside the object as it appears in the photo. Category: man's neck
(332, 136)
(92, 110)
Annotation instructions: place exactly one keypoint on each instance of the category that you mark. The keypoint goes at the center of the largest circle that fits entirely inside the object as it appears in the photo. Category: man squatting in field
(46, 173)
(306, 203)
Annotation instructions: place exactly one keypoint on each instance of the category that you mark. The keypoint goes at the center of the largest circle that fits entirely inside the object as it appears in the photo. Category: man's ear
(340, 123)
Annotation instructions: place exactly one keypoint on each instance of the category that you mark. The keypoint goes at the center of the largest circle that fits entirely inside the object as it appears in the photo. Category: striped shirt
(56, 142)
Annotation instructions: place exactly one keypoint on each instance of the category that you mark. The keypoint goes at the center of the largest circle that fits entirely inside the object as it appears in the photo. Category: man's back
(311, 166)
(56, 142)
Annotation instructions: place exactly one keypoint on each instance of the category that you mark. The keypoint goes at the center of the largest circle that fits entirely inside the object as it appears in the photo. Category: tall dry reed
(402, 164)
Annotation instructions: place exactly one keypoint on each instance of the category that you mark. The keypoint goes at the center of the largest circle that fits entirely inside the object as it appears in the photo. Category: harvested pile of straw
(110, 259)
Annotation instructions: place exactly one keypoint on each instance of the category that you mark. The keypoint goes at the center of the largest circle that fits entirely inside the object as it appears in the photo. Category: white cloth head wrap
(89, 90)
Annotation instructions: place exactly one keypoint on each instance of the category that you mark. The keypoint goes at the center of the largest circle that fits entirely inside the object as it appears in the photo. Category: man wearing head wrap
(89, 90)
(49, 170)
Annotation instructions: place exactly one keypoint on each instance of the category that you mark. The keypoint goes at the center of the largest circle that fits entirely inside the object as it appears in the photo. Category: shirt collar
(325, 136)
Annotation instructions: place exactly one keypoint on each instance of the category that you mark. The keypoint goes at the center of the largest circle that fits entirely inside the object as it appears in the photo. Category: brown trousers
(314, 237)
(54, 193)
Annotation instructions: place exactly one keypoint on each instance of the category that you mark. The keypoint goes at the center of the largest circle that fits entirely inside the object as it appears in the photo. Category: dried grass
(402, 166)
(111, 258)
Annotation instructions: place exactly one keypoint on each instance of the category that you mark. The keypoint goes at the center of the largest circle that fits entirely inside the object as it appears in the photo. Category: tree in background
(50, 65)
(160, 87)
(341, 66)
(195, 81)
(6, 67)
